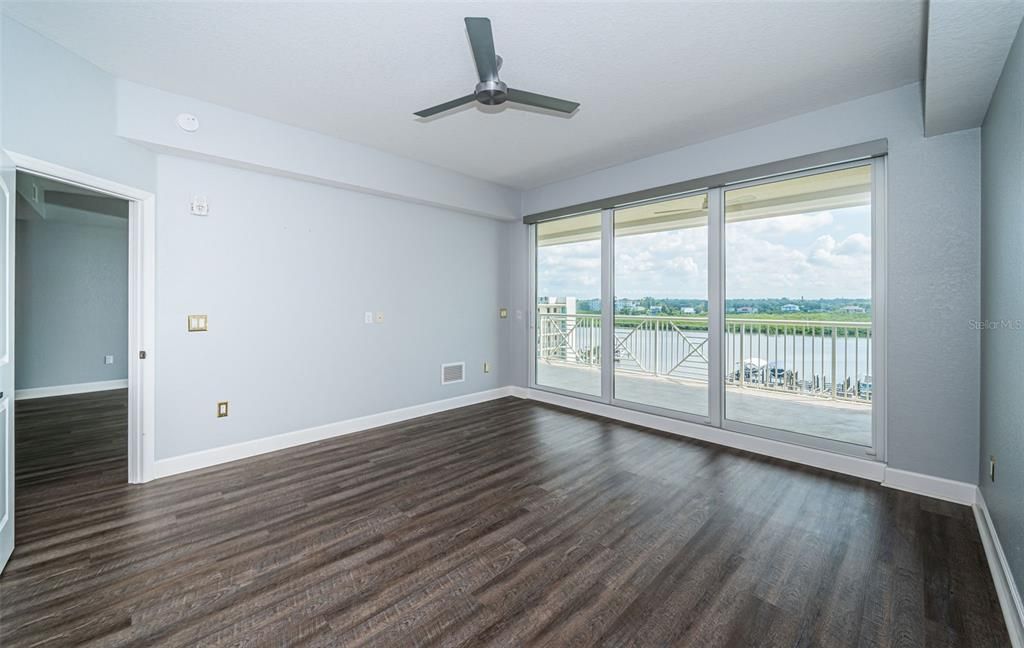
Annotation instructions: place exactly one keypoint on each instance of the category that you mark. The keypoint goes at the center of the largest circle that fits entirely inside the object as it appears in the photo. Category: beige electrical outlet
(222, 409)
(487, 367)
(503, 313)
(196, 323)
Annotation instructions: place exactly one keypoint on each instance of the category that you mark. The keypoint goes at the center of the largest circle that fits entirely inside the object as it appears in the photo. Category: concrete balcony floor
(838, 420)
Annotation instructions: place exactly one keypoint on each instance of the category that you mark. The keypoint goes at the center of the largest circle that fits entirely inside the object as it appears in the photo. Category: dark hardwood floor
(507, 523)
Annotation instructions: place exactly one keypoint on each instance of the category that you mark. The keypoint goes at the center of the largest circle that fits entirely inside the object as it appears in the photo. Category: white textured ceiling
(650, 77)
(967, 47)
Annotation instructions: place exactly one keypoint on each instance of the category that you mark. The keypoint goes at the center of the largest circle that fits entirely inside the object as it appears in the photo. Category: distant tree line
(770, 306)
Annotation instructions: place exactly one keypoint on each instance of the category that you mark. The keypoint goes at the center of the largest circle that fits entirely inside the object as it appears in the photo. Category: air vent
(454, 372)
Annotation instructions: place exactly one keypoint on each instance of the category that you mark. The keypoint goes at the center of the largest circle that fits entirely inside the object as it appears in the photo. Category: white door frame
(141, 304)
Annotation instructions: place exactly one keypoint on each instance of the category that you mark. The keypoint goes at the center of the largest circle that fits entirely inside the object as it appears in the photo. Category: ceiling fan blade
(482, 40)
(541, 101)
(448, 105)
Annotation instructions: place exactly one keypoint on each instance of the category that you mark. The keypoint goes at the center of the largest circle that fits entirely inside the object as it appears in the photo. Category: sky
(816, 255)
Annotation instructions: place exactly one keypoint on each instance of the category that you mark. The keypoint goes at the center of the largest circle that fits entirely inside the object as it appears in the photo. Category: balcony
(802, 375)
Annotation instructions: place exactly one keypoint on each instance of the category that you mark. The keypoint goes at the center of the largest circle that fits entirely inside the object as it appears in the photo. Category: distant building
(688, 310)
(623, 305)
(746, 309)
(556, 306)
(852, 309)
(790, 308)
(656, 310)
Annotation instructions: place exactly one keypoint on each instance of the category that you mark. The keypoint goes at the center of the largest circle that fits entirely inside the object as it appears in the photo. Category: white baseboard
(937, 487)
(1006, 587)
(214, 456)
(64, 390)
(855, 466)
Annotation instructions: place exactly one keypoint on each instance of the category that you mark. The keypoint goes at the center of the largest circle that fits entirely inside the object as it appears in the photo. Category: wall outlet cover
(108, 360)
(197, 323)
(379, 317)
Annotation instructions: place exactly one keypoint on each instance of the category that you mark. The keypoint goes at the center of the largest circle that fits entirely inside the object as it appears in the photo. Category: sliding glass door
(661, 304)
(752, 306)
(568, 309)
(798, 305)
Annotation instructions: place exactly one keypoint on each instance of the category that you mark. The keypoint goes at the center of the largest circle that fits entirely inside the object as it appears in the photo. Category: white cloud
(855, 245)
(825, 254)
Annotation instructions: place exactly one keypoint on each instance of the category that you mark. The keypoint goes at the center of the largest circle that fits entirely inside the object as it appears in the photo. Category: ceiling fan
(491, 91)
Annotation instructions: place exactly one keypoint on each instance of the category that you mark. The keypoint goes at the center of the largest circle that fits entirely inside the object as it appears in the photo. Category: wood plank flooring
(508, 523)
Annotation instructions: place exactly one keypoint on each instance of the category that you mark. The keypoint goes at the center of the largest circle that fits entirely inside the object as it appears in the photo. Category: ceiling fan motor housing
(491, 93)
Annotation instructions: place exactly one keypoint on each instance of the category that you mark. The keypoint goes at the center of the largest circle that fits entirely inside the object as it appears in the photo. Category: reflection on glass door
(661, 304)
(568, 318)
(798, 332)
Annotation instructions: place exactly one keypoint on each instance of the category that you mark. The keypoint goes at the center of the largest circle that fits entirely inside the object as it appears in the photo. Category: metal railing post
(834, 362)
(657, 330)
(743, 363)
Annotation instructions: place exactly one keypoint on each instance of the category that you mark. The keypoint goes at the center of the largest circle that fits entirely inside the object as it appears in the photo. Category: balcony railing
(817, 358)
(824, 359)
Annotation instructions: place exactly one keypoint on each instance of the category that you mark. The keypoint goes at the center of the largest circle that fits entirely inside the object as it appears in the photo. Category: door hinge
(142, 355)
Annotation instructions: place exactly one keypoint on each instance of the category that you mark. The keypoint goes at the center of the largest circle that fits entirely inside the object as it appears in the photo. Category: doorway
(136, 411)
(137, 208)
(71, 336)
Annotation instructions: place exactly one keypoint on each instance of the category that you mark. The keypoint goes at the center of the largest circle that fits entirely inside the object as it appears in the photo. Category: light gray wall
(285, 271)
(513, 254)
(62, 109)
(228, 136)
(932, 255)
(71, 301)
(3, 57)
(1002, 299)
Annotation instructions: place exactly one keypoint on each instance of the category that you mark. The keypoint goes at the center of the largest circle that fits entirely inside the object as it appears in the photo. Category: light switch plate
(368, 317)
(197, 323)
(199, 206)
(222, 409)
(503, 313)
(108, 360)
